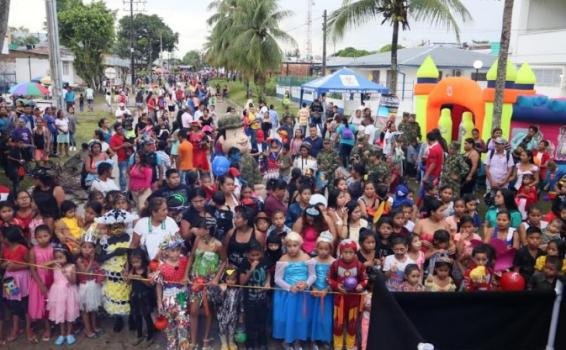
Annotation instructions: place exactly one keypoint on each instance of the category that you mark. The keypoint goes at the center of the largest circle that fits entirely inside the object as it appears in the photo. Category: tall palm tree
(502, 62)
(397, 12)
(4, 14)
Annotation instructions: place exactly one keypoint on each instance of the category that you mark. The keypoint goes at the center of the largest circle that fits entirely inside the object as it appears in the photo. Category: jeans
(345, 151)
(123, 169)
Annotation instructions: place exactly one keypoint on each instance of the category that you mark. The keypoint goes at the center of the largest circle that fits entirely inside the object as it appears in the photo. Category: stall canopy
(344, 80)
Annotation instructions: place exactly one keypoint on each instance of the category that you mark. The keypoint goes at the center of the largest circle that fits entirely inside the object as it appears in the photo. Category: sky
(188, 18)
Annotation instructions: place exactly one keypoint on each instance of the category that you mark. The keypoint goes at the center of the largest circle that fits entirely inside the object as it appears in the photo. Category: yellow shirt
(541, 260)
(73, 226)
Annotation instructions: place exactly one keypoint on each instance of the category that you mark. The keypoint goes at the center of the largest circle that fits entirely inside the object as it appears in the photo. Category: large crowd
(258, 223)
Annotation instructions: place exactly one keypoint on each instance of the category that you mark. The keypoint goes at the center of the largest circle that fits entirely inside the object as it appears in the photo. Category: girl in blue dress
(322, 302)
(294, 276)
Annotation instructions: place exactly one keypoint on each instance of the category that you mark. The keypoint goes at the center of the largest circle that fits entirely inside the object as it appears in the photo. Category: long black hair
(508, 199)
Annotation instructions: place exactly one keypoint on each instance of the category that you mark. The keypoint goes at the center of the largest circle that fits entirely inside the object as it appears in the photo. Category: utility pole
(309, 30)
(324, 29)
(161, 51)
(132, 68)
(54, 53)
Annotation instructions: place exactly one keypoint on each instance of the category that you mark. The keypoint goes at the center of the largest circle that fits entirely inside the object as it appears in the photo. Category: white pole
(555, 314)
(56, 64)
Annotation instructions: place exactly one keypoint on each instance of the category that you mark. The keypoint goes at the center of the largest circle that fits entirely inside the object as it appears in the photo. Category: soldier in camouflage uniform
(455, 168)
(360, 152)
(328, 161)
(410, 138)
(377, 169)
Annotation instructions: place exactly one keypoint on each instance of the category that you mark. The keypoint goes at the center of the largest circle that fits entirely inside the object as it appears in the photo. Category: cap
(312, 211)
(307, 145)
(500, 141)
(121, 104)
(318, 199)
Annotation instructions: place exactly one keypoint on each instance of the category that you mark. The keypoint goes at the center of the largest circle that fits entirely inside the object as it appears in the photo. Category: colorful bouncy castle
(457, 105)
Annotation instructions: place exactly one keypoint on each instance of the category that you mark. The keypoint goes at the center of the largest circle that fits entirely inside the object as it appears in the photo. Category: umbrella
(29, 89)
(44, 79)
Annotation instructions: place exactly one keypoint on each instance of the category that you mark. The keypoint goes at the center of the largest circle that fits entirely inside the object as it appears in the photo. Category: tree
(23, 37)
(4, 15)
(502, 62)
(150, 35)
(192, 58)
(88, 31)
(397, 12)
(352, 52)
(388, 47)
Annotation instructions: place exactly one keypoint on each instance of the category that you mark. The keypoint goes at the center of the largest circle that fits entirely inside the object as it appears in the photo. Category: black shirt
(258, 278)
(526, 262)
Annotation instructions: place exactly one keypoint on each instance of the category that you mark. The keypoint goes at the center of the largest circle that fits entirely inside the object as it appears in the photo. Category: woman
(524, 166)
(99, 136)
(473, 159)
(369, 201)
(27, 215)
(104, 127)
(194, 214)
(227, 185)
(92, 159)
(104, 181)
(346, 139)
(354, 223)
(153, 227)
(150, 102)
(47, 196)
(238, 240)
(434, 221)
(200, 147)
(296, 142)
(310, 225)
(62, 124)
(337, 210)
(140, 175)
(504, 199)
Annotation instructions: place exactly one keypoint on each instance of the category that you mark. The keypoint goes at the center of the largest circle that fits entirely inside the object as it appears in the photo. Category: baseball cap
(500, 141)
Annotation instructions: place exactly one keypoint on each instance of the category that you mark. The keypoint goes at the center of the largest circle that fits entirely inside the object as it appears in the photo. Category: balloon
(512, 282)
(240, 337)
(160, 323)
(220, 165)
(350, 283)
(153, 265)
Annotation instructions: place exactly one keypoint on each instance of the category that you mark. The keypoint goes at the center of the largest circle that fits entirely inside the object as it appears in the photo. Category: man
(498, 166)
(176, 193)
(200, 112)
(377, 169)
(119, 146)
(121, 111)
(275, 199)
(49, 119)
(274, 117)
(327, 161)
(70, 98)
(455, 169)
(529, 142)
(305, 162)
(303, 118)
(187, 118)
(314, 140)
(89, 94)
(316, 112)
(185, 155)
(360, 152)
(433, 163)
(22, 138)
(28, 116)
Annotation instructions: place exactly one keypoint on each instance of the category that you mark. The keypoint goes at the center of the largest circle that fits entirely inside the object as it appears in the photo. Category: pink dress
(63, 298)
(36, 306)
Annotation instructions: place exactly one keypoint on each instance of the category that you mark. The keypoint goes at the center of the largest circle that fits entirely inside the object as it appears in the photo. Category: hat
(171, 242)
(325, 236)
(347, 243)
(318, 199)
(262, 216)
(500, 141)
(116, 216)
(121, 104)
(312, 211)
(307, 145)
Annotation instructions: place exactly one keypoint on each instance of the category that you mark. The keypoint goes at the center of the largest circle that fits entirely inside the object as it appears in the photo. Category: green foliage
(352, 52)
(23, 37)
(387, 48)
(149, 32)
(192, 58)
(88, 31)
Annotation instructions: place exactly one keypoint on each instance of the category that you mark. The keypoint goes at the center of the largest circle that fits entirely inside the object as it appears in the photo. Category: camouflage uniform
(411, 133)
(360, 152)
(328, 162)
(380, 172)
(249, 170)
(454, 170)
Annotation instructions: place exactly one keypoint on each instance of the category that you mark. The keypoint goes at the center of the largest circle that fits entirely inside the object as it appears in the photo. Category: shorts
(41, 155)
(63, 138)
(17, 307)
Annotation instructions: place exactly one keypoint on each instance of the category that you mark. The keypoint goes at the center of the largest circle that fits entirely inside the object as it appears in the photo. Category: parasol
(29, 89)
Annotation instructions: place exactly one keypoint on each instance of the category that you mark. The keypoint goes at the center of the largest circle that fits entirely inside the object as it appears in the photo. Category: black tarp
(463, 321)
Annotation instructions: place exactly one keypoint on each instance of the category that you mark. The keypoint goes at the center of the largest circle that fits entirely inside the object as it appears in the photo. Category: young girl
(63, 298)
(16, 280)
(354, 223)
(394, 265)
(73, 225)
(322, 301)
(228, 302)
(369, 201)
(398, 220)
(296, 142)
(41, 278)
(471, 203)
(503, 231)
(142, 297)
(479, 275)
(292, 276)
(440, 280)
(415, 250)
(310, 225)
(172, 293)
(205, 265)
(366, 315)
(556, 247)
(454, 219)
(90, 288)
(441, 245)
(367, 252)
(527, 195)
(384, 230)
(412, 281)
(534, 218)
(463, 241)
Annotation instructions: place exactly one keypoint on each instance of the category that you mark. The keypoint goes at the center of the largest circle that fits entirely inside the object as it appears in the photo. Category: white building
(538, 37)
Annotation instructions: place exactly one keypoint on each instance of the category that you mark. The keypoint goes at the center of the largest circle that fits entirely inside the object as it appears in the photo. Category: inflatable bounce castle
(457, 105)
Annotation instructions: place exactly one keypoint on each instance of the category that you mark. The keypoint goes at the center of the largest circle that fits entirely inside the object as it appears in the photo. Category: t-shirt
(116, 141)
(151, 236)
(526, 262)
(369, 130)
(257, 279)
(187, 119)
(499, 165)
(104, 186)
(185, 154)
(347, 141)
(89, 92)
(396, 278)
(436, 157)
(17, 254)
(120, 112)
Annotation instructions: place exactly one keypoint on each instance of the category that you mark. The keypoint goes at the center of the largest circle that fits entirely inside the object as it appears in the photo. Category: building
(538, 35)
(299, 69)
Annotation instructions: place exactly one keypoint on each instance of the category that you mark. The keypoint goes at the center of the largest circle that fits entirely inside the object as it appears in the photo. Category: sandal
(33, 339)
(46, 337)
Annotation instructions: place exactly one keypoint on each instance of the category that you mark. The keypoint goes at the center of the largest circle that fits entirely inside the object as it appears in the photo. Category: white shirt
(369, 130)
(89, 92)
(305, 164)
(120, 112)
(499, 165)
(152, 236)
(186, 119)
(104, 186)
(198, 114)
(62, 124)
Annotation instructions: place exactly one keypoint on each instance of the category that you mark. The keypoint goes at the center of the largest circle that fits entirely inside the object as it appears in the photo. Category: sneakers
(71, 340)
(60, 340)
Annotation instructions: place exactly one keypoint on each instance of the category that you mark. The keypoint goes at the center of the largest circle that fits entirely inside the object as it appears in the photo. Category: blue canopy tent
(345, 81)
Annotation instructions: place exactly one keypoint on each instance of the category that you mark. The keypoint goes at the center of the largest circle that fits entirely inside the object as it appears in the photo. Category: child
(441, 244)
(366, 315)
(63, 298)
(142, 298)
(409, 212)
(254, 272)
(503, 231)
(384, 229)
(525, 257)
(555, 247)
(322, 301)
(41, 278)
(412, 282)
(453, 220)
(223, 215)
(415, 251)
(273, 252)
(546, 280)
(207, 185)
(464, 238)
(446, 196)
(71, 221)
(172, 293)
(205, 265)
(16, 280)
(479, 275)
(90, 288)
(366, 254)
(471, 203)
(552, 231)
(262, 224)
(228, 302)
(346, 306)
(527, 194)
(534, 218)
(398, 221)
(440, 280)
(290, 321)
(278, 224)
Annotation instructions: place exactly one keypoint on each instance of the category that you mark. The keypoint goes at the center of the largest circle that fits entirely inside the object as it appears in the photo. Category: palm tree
(4, 14)
(502, 62)
(397, 12)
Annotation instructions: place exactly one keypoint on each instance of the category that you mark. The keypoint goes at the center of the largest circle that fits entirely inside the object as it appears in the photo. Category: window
(66, 68)
(548, 77)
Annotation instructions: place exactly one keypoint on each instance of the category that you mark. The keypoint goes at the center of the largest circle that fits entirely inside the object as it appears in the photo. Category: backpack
(347, 134)
(492, 153)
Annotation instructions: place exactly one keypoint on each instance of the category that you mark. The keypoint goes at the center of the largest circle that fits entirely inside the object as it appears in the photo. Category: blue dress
(291, 317)
(321, 324)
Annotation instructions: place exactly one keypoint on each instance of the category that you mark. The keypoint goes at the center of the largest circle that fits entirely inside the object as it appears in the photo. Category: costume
(346, 306)
(63, 297)
(90, 287)
(321, 325)
(36, 306)
(365, 320)
(228, 305)
(478, 278)
(15, 283)
(204, 268)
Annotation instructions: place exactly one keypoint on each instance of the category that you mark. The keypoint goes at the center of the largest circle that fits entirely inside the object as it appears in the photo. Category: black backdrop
(463, 321)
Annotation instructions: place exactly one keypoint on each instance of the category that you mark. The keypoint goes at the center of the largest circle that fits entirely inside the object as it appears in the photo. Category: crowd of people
(215, 219)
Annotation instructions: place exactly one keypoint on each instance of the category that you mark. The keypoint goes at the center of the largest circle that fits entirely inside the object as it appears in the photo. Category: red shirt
(436, 157)
(18, 253)
(116, 141)
(173, 274)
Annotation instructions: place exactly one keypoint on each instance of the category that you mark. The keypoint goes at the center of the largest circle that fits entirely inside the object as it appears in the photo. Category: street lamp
(478, 64)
